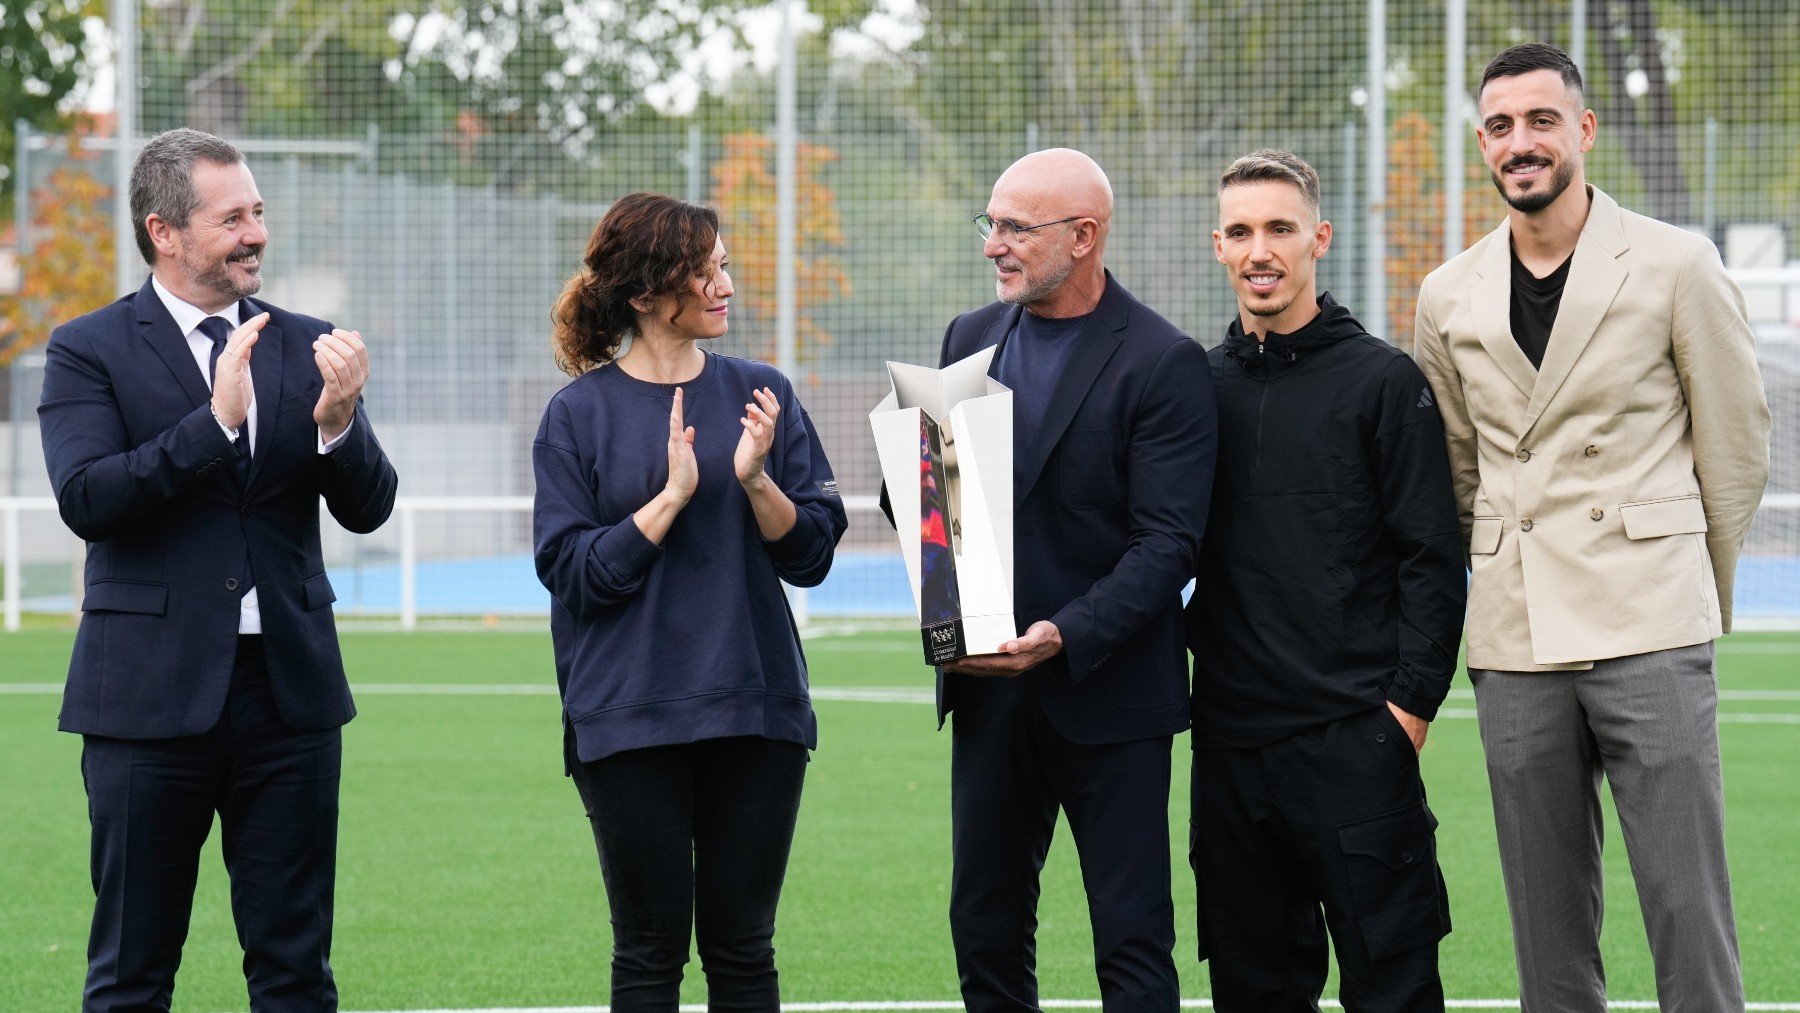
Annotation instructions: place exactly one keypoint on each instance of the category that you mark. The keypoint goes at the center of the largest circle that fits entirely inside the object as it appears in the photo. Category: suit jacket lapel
(1491, 304)
(995, 336)
(158, 328)
(265, 375)
(1093, 346)
(1594, 280)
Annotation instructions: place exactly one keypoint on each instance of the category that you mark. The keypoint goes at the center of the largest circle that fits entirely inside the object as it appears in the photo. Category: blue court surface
(862, 585)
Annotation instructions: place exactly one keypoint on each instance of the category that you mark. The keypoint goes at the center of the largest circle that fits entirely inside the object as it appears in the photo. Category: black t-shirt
(1534, 303)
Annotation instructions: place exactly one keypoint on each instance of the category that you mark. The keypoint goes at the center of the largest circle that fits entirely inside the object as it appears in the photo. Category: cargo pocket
(1394, 881)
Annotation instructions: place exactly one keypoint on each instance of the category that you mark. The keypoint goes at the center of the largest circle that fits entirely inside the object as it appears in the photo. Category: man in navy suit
(190, 432)
(1113, 458)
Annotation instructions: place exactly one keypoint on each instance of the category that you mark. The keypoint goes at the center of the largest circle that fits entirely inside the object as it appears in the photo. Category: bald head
(1050, 212)
(1061, 182)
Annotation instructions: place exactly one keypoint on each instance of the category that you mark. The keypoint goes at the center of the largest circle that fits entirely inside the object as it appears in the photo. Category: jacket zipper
(1262, 401)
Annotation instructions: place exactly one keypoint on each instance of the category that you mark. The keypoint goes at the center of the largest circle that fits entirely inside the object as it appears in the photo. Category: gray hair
(162, 179)
(1273, 165)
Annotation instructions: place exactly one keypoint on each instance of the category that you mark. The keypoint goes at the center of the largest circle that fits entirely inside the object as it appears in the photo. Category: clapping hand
(684, 471)
(231, 374)
(759, 436)
(343, 362)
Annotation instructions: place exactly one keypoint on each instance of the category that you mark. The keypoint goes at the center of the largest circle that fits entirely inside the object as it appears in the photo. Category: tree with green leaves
(43, 47)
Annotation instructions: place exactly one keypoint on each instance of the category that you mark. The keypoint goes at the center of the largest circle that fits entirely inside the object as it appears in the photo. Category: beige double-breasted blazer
(1605, 497)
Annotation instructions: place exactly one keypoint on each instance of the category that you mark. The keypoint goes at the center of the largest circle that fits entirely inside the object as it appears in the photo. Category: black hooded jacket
(1332, 575)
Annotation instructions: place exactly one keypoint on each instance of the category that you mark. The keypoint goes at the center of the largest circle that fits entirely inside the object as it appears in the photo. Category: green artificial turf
(467, 875)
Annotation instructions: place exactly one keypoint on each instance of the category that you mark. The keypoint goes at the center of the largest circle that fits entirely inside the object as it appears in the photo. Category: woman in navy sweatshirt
(676, 489)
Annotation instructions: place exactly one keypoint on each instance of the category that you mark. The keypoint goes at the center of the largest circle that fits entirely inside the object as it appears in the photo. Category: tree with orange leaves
(69, 270)
(744, 191)
(1416, 216)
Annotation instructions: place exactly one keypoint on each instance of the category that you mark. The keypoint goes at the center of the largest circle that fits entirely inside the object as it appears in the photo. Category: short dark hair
(162, 179)
(1530, 56)
(1274, 165)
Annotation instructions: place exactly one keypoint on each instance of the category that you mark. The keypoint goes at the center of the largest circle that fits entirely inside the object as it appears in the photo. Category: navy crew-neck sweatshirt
(692, 639)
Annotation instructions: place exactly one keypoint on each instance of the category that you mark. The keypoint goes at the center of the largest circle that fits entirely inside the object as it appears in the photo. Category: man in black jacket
(1324, 627)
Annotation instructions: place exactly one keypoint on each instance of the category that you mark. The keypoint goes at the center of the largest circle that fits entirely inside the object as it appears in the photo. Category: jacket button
(1596, 513)
(1525, 525)
(1407, 858)
(1523, 455)
(1380, 736)
(231, 583)
(1591, 450)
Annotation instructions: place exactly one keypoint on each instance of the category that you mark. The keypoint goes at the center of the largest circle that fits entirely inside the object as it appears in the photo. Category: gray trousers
(1648, 723)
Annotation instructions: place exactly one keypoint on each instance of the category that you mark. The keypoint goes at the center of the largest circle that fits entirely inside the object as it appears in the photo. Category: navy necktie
(218, 331)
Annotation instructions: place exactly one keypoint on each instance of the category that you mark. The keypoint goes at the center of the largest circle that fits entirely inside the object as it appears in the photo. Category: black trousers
(1011, 771)
(1331, 818)
(151, 804)
(694, 835)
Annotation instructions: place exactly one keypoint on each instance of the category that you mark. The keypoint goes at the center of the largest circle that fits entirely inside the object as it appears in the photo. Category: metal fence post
(1373, 308)
(9, 544)
(125, 105)
(1456, 33)
(799, 605)
(409, 566)
(786, 192)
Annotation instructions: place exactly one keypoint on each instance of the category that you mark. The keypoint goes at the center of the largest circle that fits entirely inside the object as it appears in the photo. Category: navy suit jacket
(1109, 510)
(144, 474)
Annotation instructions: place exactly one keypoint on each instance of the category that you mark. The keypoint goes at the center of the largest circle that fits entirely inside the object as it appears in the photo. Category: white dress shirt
(187, 319)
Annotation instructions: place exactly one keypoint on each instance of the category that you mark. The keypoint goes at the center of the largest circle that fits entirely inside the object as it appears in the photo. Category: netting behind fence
(432, 172)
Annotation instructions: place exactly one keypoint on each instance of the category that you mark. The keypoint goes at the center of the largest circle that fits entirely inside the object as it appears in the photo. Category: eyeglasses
(987, 226)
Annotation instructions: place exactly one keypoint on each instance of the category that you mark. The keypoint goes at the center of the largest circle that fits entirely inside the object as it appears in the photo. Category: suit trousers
(1011, 770)
(151, 804)
(693, 835)
(1330, 819)
(1649, 724)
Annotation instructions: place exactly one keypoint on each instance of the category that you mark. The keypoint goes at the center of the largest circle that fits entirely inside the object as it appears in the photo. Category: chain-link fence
(432, 171)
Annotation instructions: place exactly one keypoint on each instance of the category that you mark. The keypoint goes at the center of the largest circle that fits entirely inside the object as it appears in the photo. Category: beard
(1273, 309)
(1537, 199)
(1037, 289)
(217, 277)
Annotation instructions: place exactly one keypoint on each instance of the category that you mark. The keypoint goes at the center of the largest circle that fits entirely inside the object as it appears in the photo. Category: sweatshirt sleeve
(585, 564)
(803, 556)
(1418, 505)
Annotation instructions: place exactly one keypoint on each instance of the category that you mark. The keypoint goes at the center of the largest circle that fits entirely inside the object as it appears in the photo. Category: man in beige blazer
(1608, 439)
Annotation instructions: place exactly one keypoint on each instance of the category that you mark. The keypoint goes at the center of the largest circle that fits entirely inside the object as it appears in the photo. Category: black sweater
(1332, 575)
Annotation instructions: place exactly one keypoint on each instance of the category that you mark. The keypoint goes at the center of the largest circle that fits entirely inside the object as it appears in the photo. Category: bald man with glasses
(1115, 438)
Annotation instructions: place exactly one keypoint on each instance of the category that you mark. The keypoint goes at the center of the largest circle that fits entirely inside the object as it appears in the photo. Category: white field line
(928, 1004)
(869, 694)
(850, 639)
(875, 647)
(1758, 647)
(1724, 694)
